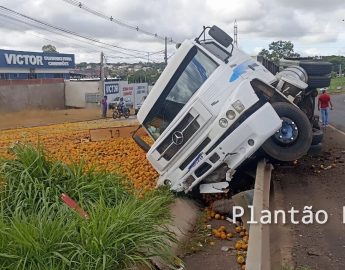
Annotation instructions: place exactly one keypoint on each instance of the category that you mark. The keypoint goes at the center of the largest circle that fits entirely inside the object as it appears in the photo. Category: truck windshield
(194, 70)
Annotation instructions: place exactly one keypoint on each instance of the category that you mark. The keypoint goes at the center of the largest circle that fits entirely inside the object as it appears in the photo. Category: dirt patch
(32, 118)
(317, 181)
(207, 253)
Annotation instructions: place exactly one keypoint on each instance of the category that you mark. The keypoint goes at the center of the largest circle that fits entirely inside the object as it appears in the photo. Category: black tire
(316, 68)
(300, 144)
(127, 113)
(319, 81)
(307, 105)
(317, 136)
(116, 114)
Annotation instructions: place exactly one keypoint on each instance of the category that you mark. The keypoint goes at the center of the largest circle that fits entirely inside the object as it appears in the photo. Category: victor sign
(35, 60)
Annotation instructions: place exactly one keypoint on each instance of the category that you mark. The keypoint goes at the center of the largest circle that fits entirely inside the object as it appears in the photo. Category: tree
(49, 49)
(279, 49)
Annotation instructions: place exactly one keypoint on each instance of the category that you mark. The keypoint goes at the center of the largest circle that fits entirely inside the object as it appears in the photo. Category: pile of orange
(222, 233)
(241, 246)
(70, 143)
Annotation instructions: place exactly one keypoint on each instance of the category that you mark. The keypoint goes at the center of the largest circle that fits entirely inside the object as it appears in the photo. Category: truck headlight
(223, 122)
(167, 182)
(238, 106)
(230, 114)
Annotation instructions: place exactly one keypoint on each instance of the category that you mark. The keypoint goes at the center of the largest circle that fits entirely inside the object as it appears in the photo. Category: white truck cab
(212, 108)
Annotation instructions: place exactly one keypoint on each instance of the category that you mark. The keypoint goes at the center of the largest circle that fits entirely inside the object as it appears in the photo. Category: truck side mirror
(220, 36)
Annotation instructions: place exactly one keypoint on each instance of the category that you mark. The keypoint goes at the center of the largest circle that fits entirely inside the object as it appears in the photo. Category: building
(21, 65)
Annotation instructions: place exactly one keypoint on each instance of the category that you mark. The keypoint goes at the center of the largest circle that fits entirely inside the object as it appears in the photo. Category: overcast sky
(316, 27)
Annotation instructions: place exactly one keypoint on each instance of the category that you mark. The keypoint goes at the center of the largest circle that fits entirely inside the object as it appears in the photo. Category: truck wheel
(319, 81)
(293, 139)
(127, 113)
(316, 68)
(116, 114)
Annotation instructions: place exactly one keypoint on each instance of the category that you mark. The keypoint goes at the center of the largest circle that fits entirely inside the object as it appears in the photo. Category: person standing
(323, 106)
(104, 106)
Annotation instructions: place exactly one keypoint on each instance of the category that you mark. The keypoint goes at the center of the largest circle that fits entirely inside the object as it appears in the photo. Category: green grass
(38, 231)
(336, 82)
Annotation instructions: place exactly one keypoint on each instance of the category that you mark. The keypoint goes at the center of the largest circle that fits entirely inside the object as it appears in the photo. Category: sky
(315, 27)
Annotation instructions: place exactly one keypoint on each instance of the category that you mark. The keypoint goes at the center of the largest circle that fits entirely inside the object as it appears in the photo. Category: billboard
(9, 58)
(111, 88)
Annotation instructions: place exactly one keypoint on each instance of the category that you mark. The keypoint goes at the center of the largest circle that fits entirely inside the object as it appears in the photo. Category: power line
(8, 18)
(69, 31)
(70, 37)
(116, 21)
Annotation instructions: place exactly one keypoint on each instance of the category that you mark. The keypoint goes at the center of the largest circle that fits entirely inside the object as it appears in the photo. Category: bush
(38, 231)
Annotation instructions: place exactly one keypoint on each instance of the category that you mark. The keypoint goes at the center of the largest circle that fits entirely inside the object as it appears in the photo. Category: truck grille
(178, 137)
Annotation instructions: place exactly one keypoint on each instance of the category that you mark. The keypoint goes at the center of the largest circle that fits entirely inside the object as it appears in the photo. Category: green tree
(279, 49)
(337, 61)
(49, 48)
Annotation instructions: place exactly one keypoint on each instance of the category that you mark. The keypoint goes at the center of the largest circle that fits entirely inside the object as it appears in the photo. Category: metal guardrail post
(258, 257)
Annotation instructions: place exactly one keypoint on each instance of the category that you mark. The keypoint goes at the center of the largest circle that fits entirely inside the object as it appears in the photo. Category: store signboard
(9, 58)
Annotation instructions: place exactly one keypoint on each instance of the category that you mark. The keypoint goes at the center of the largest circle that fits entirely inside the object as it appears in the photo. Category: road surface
(337, 116)
(318, 246)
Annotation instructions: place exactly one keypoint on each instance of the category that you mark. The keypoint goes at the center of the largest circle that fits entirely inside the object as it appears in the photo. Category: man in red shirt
(323, 105)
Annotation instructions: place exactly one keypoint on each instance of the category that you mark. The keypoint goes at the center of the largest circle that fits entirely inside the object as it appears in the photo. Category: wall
(16, 95)
(75, 92)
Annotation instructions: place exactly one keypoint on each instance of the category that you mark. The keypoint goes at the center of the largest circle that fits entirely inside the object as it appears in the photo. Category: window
(194, 70)
(216, 50)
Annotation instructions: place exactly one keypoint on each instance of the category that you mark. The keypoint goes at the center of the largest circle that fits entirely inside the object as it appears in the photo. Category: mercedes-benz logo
(177, 137)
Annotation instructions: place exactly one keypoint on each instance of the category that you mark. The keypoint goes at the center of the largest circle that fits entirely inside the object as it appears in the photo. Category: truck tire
(293, 139)
(317, 136)
(319, 81)
(316, 68)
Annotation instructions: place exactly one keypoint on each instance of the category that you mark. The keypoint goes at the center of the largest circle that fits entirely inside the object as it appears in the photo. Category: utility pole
(340, 70)
(166, 51)
(101, 75)
(235, 33)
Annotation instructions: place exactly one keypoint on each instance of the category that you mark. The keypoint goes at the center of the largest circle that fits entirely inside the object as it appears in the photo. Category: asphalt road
(337, 116)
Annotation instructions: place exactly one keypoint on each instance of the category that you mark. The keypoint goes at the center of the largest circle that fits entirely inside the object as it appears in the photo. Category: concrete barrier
(259, 257)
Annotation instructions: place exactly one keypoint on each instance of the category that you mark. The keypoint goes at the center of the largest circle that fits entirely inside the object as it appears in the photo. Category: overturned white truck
(213, 107)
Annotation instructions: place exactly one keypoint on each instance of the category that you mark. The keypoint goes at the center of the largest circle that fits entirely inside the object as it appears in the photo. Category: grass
(38, 231)
(336, 82)
(199, 237)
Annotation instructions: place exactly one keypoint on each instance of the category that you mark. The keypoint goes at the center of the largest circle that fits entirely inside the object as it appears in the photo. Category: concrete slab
(185, 214)
(102, 134)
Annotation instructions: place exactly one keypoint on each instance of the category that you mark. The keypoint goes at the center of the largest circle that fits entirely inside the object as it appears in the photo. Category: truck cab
(212, 108)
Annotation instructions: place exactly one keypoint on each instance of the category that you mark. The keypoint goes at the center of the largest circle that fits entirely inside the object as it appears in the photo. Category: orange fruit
(222, 228)
(238, 229)
(240, 260)
(238, 245)
(229, 235)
